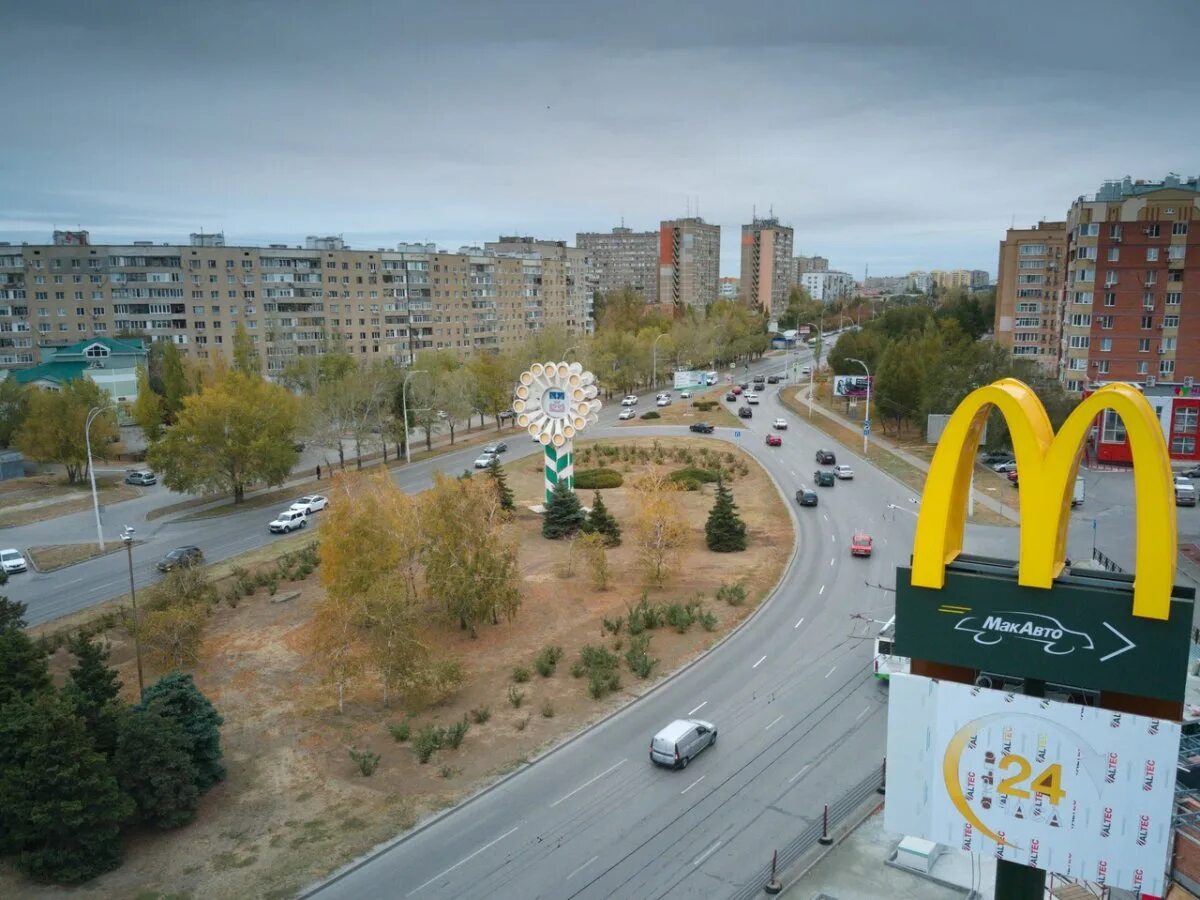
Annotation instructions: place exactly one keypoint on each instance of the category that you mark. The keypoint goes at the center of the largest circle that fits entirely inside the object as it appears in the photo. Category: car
(625, 414)
(484, 460)
(826, 458)
(1009, 465)
(663, 395)
(310, 504)
(995, 456)
(1182, 479)
(663, 401)
(773, 379)
(498, 447)
(1185, 495)
(731, 397)
(745, 385)
(701, 428)
(179, 558)
(860, 544)
(140, 476)
(807, 370)
(1191, 473)
(779, 424)
(745, 412)
(774, 440)
(685, 395)
(678, 743)
(630, 400)
(845, 473)
(288, 521)
(806, 496)
(823, 478)
(736, 389)
(12, 560)
(752, 398)
(1012, 477)
(759, 381)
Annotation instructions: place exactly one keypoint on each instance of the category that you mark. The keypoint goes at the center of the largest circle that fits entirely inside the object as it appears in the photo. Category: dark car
(826, 458)
(760, 380)
(773, 379)
(745, 412)
(745, 385)
(701, 428)
(824, 478)
(180, 557)
(806, 497)
(994, 456)
(731, 397)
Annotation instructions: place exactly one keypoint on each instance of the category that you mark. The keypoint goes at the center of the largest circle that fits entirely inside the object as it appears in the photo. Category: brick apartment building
(1028, 287)
(689, 263)
(768, 268)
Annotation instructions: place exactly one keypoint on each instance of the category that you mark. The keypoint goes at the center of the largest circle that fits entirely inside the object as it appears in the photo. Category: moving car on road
(736, 389)
(630, 400)
(826, 458)
(745, 412)
(845, 473)
(310, 504)
(752, 398)
(779, 424)
(701, 428)
(625, 414)
(288, 521)
(774, 440)
(685, 395)
(773, 379)
(484, 460)
(180, 557)
(806, 496)
(663, 401)
(731, 397)
(498, 447)
(140, 476)
(823, 478)
(12, 561)
(680, 741)
(860, 544)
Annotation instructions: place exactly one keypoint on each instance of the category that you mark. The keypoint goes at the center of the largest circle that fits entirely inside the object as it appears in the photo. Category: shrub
(456, 733)
(482, 714)
(515, 696)
(601, 683)
(708, 621)
(646, 616)
(520, 675)
(733, 594)
(521, 723)
(399, 731)
(704, 405)
(650, 415)
(366, 760)
(578, 670)
(693, 473)
(448, 771)
(601, 668)
(547, 660)
(680, 617)
(612, 626)
(640, 662)
(598, 479)
(547, 709)
(428, 740)
(563, 513)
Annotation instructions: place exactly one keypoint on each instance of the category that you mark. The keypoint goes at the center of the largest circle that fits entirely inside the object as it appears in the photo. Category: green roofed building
(111, 364)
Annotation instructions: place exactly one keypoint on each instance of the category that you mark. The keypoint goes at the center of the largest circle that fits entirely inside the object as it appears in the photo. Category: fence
(1107, 563)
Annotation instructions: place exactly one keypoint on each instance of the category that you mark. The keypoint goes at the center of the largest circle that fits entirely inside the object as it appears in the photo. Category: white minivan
(676, 744)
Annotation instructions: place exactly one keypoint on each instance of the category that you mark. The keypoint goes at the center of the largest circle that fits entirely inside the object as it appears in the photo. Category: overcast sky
(901, 135)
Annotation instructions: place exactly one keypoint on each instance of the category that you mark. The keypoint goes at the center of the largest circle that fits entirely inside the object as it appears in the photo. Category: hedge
(690, 478)
(597, 479)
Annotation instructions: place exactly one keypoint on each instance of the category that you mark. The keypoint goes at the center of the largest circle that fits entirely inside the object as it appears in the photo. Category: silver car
(676, 744)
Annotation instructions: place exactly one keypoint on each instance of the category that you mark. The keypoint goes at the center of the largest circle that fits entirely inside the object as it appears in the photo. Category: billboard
(851, 385)
(1077, 790)
(686, 380)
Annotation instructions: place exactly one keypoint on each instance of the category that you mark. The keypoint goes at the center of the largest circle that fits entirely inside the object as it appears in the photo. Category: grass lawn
(58, 556)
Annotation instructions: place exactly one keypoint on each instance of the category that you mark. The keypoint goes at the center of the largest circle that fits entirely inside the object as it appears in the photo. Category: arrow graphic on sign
(1129, 645)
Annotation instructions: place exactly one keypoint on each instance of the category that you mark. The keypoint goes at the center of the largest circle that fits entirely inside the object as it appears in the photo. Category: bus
(887, 663)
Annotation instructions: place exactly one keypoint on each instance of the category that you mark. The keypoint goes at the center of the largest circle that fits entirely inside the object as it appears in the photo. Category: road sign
(1078, 633)
(866, 426)
(737, 434)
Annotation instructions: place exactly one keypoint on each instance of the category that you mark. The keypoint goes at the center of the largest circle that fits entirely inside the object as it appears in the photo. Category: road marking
(794, 475)
(861, 714)
(693, 784)
(830, 672)
(821, 591)
(833, 537)
(798, 624)
(581, 868)
(692, 712)
(826, 515)
(462, 861)
(831, 560)
(757, 664)
(776, 722)
(585, 784)
(706, 854)
(798, 774)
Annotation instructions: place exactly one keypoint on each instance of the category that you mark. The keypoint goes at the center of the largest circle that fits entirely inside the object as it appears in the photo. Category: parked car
(823, 478)
(774, 440)
(1009, 465)
(310, 504)
(663, 401)
(1191, 473)
(505, 414)
(860, 544)
(678, 743)
(752, 398)
(773, 379)
(1185, 495)
(180, 557)
(995, 456)
(484, 460)
(685, 395)
(11, 561)
(745, 412)
(498, 447)
(845, 473)
(630, 400)
(140, 476)
(806, 496)
(701, 428)
(625, 414)
(731, 397)
(288, 521)
(779, 424)
(826, 458)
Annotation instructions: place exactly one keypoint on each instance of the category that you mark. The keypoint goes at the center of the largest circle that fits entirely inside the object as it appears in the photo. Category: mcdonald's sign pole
(996, 763)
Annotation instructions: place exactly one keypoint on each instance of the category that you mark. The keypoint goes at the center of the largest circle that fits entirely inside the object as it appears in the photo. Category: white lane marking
(757, 664)
(705, 855)
(794, 475)
(693, 784)
(831, 560)
(586, 783)
(863, 713)
(833, 537)
(830, 672)
(692, 712)
(826, 515)
(462, 861)
(581, 868)
(821, 591)
(775, 722)
(798, 774)
(798, 624)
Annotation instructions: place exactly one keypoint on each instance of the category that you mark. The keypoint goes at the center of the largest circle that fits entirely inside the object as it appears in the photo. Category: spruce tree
(601, 521)
(725, 532)
(563, 515)
(176, 695)
(23, 670)
(61, 805)
(503, 491)
(92, 689)
(153, 765)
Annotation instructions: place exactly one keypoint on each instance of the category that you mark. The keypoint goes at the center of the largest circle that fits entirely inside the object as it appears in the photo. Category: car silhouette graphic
(1055, 638)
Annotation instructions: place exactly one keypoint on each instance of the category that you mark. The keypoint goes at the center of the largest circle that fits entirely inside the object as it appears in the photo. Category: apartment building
(1132, 286)
(581, 272)
(828, 286)
(689, 263)
(292, 301)
(768, 270)
(1028, 287)
(804, 264)
(623, 258)
(967, 279)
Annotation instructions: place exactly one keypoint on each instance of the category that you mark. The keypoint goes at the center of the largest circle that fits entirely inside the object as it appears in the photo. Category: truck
(1077, 497)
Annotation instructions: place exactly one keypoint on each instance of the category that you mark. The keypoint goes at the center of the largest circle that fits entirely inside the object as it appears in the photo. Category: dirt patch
(58, 556)
(293, 807)
(28, 500)
(684, 412)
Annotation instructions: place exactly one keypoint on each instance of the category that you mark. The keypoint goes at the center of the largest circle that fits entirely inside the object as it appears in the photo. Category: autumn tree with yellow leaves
(659, 529)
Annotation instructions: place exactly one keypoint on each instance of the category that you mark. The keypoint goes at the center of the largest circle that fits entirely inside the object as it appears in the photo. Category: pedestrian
(318, 472)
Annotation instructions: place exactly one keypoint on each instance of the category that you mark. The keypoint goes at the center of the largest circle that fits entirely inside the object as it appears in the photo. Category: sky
(892, 135)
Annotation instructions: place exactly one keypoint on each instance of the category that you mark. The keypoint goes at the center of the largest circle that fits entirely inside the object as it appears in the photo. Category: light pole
(654, 364)
(404, 412)
(127, 537)
(87, 439)
(867, 417)
(813, 368)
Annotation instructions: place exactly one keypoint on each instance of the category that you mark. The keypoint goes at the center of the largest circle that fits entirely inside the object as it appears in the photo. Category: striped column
(559, 466)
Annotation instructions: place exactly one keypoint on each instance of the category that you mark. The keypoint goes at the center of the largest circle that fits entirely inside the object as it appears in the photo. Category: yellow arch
(1048, 465)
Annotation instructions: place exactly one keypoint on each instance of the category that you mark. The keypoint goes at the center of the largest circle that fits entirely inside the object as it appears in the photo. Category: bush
(366, 761)
(601, 683)
(733, 594)
(521, 723)
(680, 617)
(515, 697)
(456, 733)
(640, 662)
(448, 771)
(601, 668)
(428, 740)
(399, 731)
(650, 415)
(547, 709)
(578, 670)
(547, 660)
(689, 474)
(708, 621)
(612, 626)
(704, 405)
(598, 479)
(646, 616)
(520, 675)
(481, 715)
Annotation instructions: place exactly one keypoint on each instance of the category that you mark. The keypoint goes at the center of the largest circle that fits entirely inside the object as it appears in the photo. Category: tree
(92, 688)
(500, 481)
(53, 430)
(176, 696)
(307, 373)
(148, 408)
(14, 407)
(245, 354)
(725, 532)
(658, 528)
(174, 380)
(592, 547)
(563, 515)
(172, 634)
(61, 806)
(601, 521)
(235, 432)
(454, 394)
(23, 670)
(154, 767)
(899, 380)
(493, 376)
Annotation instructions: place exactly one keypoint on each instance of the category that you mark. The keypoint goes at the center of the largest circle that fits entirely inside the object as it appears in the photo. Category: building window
(1032, 250)
(1102, 367)
(1170, 321)
(1080, 342)
(1166, 367)
(1179, 228)
(1151, 254)
(1143, 345)
(1114, 254)
(1173, 298)
(1152, 230)
(1113, 430)
(1183, 446)
(1147, 323)
(1081, 320)
(1176, 252)
(1114, 232)
(1148, 300)
(1143, 367)
(1105, 345)
(1110, 299)
(1167, 344)
(1105, 321)
(1074, 386)
(1110, 278)
(1084, 297)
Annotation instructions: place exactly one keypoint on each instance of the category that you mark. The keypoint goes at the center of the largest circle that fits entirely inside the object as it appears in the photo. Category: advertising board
(687, 379)
(850, 385)
(1077, 790)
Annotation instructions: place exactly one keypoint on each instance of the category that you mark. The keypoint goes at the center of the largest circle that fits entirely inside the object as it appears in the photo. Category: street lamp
(813, 368)
(127, 537)
(404, 411)
(867, 417)
(87, 439)
(654, 364)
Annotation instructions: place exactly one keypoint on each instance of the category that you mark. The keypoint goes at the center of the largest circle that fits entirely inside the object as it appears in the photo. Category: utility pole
(404, 412)
(127, 537)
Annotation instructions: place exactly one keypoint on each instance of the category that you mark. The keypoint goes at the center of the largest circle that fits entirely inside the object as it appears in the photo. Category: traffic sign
(867, 427)
(737, 434)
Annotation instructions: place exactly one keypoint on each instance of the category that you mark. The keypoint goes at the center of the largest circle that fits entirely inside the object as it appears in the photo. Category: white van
(710, 378)
(676, 744)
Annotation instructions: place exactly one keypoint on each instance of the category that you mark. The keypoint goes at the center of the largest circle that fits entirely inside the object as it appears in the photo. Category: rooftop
(1127, 187)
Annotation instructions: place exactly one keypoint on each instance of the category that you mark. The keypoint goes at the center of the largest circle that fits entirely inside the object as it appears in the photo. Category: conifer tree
(725, 532)
(563, 515)
(503, 491)
(92, 689)
(176, 695)
(23, 670)
(601, 521)
(153, 765)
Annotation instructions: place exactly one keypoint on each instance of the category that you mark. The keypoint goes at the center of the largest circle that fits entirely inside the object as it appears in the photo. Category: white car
(752, 399)
(1005, 467)
(806, 371)
(485, 460)
(310, 504)
(631, 400)
(779, 424)
(843, 472)
(627, 414)
(12, 561)
(663, 401)
(686, 395)
(289, 520)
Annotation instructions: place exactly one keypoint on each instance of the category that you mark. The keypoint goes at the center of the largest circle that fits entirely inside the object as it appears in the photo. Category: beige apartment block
(623, 258)
(583, 277)
(1028, 287)
(967, 279)
(689, 263)
(768, 270)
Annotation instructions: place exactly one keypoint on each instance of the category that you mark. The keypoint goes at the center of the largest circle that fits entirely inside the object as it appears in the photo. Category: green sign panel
(1081, 632)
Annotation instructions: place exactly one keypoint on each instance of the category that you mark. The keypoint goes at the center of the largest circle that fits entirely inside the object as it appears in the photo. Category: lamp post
(813, 368)
(404, 412)
(867, 417)
(87, 439)
(127, 537)
(654, 364)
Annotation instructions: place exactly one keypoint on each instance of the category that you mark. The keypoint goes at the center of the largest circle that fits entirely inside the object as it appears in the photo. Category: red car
(1012, 477)
(736, 389)
(774, 440)
(860, 544)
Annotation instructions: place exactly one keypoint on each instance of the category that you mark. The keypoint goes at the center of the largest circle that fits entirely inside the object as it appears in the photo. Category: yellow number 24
(1048, 783)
